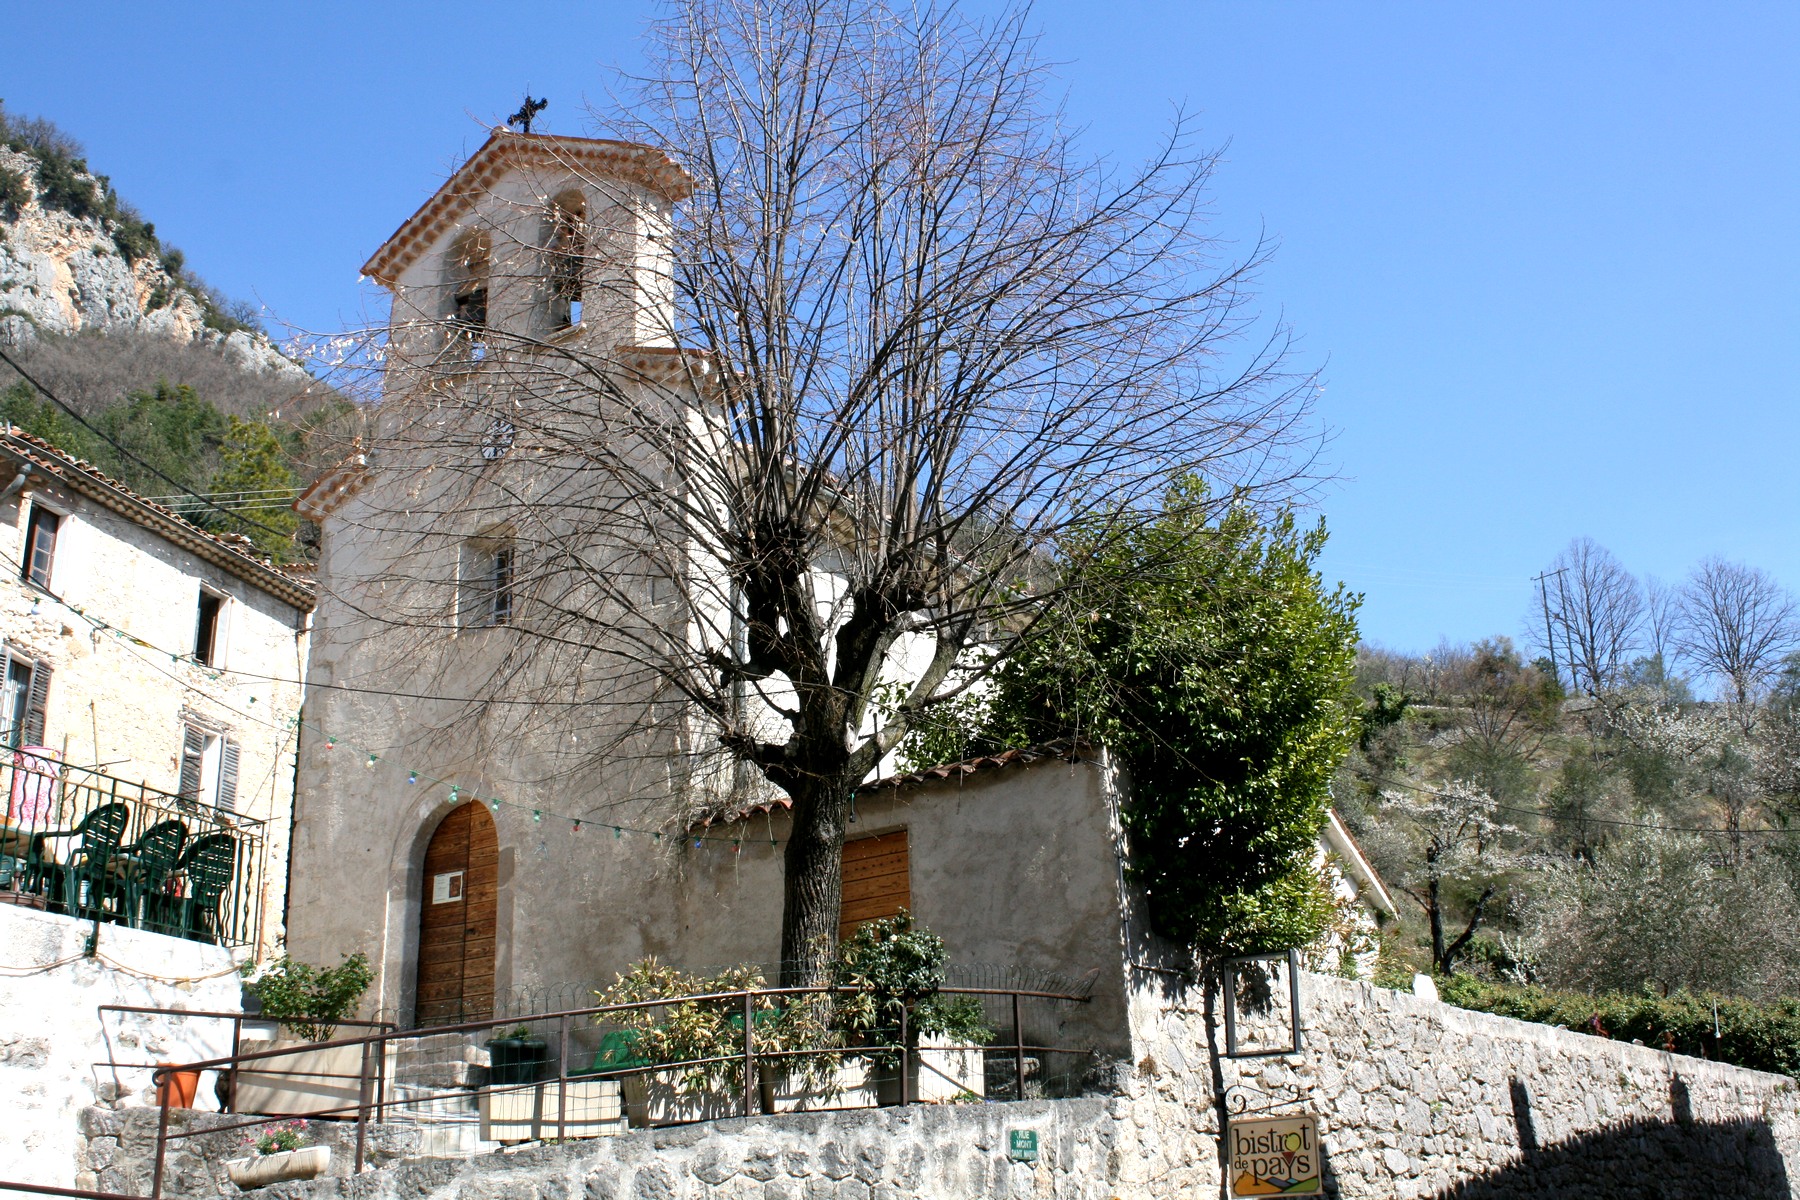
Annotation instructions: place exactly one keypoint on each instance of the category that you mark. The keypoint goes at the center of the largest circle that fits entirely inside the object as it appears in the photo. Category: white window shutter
(228, 776)
(193, 760)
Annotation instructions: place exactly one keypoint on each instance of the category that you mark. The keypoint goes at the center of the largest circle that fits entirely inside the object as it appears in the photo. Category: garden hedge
(1763, 1037)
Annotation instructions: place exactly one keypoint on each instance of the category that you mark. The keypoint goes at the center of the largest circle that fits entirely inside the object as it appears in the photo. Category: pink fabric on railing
(33, 785)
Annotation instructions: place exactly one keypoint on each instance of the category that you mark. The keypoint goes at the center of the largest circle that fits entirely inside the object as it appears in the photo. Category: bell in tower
(538, 243)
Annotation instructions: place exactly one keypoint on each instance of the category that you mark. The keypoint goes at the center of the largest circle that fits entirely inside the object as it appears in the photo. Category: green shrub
(135, 238)
(311, 1000)
(694, 1030)
(896, 967)
(1763, 1037)
(15, 192)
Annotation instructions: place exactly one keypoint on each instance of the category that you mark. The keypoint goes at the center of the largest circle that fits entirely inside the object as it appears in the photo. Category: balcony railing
(85, 844)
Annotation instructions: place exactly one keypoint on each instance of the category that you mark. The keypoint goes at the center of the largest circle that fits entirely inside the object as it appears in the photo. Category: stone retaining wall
(52, 1038)
(1422, 1099)
(1416, 1099)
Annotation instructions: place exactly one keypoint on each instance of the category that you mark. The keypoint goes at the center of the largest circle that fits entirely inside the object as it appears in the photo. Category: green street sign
(1022, 1145)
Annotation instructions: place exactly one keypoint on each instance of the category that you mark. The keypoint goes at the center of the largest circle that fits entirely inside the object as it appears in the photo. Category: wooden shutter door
(457, 919)
(877, 880)
(193, 757)
(36, 705)
(229, 755)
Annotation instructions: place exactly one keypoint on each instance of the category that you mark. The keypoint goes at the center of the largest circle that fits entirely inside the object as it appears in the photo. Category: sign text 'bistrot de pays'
(1276, 1156)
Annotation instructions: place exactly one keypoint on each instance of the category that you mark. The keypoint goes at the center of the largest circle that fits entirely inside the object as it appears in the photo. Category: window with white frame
(209, 766)
(24, 692)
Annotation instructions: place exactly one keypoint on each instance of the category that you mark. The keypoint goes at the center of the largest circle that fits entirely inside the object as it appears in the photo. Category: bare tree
(1736, 623)
(1599, 605)
(1661, 614)
(922, 339)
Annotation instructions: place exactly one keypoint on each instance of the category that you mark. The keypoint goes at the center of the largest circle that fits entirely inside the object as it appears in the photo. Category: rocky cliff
(73, 259)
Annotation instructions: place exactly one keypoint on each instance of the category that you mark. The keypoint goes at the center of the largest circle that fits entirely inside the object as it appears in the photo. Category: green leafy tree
(1214, 660)
(171, 429)
(21, 408)
(253, 478)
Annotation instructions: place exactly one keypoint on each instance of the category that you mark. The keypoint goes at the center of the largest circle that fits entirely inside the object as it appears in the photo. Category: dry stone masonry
(1416, 1099)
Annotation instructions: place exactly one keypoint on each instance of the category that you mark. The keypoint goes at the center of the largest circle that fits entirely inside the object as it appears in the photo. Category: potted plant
(177, 1088)
(893, 967)
(308, 1002)
(279, 1153)
(529, 1110)
(685, 1032)
(517, 1057)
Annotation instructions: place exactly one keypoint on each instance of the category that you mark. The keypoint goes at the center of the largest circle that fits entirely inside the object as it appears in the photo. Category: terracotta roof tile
(1068, 749)
(223, 551)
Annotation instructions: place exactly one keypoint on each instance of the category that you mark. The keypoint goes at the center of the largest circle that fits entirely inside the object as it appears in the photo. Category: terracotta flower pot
(177, 1089)
(260, 1170)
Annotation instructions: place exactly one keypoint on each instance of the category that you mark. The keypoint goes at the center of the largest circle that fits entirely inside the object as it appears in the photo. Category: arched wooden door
(457, 919)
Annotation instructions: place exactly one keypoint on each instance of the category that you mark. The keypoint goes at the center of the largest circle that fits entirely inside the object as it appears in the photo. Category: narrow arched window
(565, 250)
(468, 271)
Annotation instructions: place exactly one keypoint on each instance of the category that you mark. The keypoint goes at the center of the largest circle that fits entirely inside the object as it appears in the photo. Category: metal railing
(238, 1021)
(83, 843)
(738, 1080)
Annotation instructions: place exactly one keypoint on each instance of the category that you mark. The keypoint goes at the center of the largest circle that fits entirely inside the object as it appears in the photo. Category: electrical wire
(91, 428)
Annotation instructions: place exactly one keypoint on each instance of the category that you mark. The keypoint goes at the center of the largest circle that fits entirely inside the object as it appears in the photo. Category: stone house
(142, 652)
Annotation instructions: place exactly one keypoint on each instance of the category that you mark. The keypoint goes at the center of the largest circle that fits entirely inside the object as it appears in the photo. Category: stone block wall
(1416, 1100)
(1422, 1099)
(874, 1154)
(52, 1037)
(117, 1149)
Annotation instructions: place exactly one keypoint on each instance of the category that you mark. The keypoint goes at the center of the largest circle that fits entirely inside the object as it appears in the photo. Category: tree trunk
(815, 880)
(1435, 911)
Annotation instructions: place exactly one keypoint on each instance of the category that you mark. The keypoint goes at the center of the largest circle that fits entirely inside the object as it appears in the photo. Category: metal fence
(568, 1075)
(82, 843)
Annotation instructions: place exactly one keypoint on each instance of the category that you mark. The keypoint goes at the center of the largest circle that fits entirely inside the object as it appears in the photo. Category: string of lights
(331, 741)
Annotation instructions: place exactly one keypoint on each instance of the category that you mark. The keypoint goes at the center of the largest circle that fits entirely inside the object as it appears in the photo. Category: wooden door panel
(877, 880)
(457, 937)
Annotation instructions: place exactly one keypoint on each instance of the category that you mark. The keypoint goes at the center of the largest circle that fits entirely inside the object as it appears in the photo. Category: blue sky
(1546, 256)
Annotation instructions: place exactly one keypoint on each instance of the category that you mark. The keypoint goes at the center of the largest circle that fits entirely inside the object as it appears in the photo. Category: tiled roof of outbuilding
(1068, 749)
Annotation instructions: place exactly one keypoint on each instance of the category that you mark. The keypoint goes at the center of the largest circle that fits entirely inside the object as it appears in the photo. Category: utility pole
(1549, 634)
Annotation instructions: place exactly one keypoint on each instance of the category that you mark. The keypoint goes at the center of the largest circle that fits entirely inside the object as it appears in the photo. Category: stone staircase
(430, 1087)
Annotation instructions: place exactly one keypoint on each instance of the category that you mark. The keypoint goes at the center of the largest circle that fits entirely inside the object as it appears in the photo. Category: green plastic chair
(80, 885)
(618, 1052)
(208, 865)
(146, 866)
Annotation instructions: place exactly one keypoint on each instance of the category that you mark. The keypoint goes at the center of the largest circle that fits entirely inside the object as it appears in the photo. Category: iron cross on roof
(528, 110)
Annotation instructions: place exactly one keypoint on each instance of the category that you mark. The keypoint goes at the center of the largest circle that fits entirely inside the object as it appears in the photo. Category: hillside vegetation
(182, 393)
(1615, 816)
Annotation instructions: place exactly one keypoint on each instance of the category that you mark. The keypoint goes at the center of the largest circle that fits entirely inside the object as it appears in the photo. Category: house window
(40, 545)
(565, 244)
(877, 875)
(209, 629)
(22, 703)
(488, 583)
(209, 767)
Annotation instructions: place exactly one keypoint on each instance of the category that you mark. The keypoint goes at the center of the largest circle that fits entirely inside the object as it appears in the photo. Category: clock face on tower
(499, 439)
